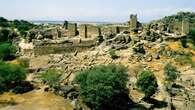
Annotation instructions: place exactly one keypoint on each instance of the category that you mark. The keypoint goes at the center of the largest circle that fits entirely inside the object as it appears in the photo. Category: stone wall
(180, 27)
(110, 29)
(89, 31)
(133, 22)
(72, 29)
(185, 27)
(65, 47)
(123, 29)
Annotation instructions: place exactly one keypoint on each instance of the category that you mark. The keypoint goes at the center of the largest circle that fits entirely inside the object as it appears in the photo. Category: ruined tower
(72, 29)
(133, 22)
(66, 24)
(185, 27)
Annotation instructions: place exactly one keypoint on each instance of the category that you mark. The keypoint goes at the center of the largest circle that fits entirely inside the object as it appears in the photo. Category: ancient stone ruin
(71, 37)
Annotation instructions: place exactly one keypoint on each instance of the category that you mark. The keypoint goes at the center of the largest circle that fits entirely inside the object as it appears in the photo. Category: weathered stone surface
(139, 48)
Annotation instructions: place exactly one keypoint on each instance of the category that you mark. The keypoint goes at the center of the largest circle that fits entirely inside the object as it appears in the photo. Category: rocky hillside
(166, 52)
(189, 16)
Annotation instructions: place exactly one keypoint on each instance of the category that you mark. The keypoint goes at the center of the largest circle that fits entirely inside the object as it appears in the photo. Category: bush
(171, 72)
(184, 43)
(7, 51)
(51, 77)
(11, 74)
(185, 59)
(4, 22)
(5, 35)
(192, 35)
(102, 85)
(147, 83)
(22, 26)
(113, 54)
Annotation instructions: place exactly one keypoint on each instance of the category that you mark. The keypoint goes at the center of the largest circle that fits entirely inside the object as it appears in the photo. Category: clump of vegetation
(51, 77)
(184, 42)
(192, 35)
(7, 35)
(21, 25)
(185, 59)
(11, 73)
(190, 16)
(171, 75)
(147, 83)
(113, 54)
(7, 51)
(171, 72)
(4, 22)
(103, 85)
(11, 76)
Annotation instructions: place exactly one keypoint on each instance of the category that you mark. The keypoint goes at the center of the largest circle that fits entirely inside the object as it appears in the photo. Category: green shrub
(185, 59)
(147, 83)
(168, 86)
(171, 72)
(51, 77)
(113, 54)
(6, 35)
(192, 35)
(22, 26)
(4, 22)
(184, 43)
(11, 74)
(102, 85)
(7, 51)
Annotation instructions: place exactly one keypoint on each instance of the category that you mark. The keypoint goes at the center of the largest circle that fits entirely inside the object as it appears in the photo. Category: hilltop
(164, 50)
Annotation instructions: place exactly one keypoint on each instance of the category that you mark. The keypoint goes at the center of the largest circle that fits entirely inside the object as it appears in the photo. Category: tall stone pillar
(133, 22)
(185, 27)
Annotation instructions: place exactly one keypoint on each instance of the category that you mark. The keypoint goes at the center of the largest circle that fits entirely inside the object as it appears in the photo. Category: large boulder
(139, 48)
(120, 39)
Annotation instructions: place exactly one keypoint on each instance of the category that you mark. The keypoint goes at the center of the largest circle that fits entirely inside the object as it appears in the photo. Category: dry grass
(174, 46)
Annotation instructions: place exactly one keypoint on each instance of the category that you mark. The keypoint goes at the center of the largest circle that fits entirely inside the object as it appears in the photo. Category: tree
(184, 42)
(7, 51)
(171, 72)
(102, 85)
(4, 22)
(11, 74)
(147, 83)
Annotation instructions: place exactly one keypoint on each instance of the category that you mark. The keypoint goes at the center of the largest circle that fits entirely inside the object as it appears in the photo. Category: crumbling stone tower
(133, 22)
(185, 27)
(66, 24)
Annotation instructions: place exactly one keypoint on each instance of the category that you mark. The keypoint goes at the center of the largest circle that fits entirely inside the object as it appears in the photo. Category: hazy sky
(92, 10)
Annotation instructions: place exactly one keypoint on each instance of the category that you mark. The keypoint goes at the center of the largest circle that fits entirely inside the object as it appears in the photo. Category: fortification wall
(89, 31)
(68, 47)
(72, 29)
(109, 29)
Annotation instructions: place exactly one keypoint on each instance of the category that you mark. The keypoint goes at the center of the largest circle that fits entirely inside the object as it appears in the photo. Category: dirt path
(34, 100)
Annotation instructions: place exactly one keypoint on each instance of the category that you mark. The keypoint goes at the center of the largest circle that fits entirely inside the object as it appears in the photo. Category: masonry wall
(89, 31)
(123, 28)
(109, 29)
(72, 29)
(70, 47)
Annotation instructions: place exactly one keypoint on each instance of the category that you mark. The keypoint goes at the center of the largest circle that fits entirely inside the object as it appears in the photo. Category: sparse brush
(51, 77)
